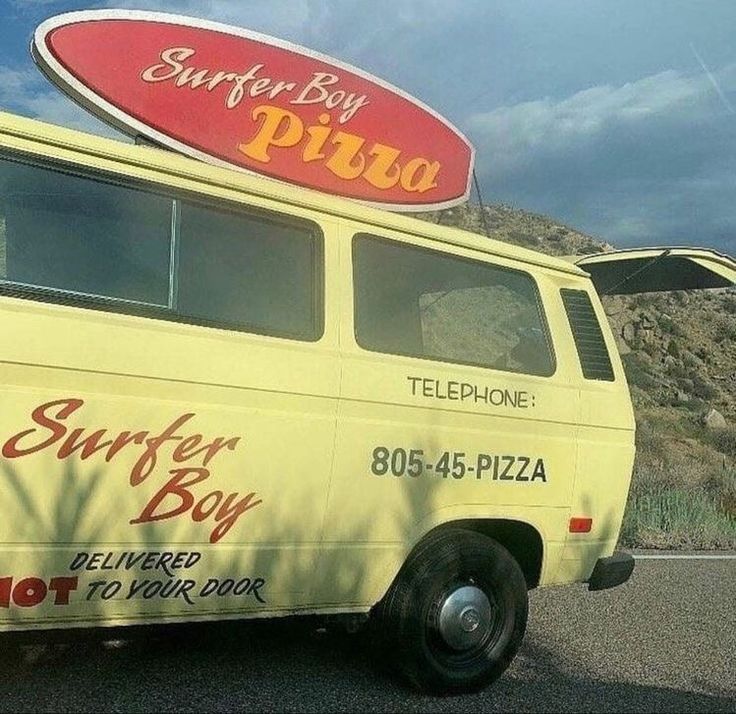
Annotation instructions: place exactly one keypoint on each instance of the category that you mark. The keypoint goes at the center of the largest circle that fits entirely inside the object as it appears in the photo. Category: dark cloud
(645, 163)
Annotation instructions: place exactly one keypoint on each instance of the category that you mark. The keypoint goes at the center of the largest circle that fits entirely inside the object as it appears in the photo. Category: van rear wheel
(456, 613)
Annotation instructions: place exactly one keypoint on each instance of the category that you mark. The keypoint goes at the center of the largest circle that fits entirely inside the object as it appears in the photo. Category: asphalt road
(664, 642)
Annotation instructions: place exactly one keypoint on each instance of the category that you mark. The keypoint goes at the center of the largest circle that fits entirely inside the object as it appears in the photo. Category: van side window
(248, 271)
(75, 234)
(424, 303)
(80, 240)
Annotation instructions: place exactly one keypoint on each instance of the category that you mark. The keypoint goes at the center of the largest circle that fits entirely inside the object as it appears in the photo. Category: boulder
(613, 306)
(623, 348)
(628, 332)
(670, 363)
(681, 397)
(713, 419)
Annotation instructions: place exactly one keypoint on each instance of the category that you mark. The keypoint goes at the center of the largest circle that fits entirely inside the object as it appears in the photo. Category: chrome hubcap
(465, 617)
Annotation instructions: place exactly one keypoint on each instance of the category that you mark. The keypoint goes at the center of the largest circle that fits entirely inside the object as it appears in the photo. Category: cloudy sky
(615, 117)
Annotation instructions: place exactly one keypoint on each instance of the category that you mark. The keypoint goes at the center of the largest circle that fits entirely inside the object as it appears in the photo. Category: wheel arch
(524, 542)
(521, 539)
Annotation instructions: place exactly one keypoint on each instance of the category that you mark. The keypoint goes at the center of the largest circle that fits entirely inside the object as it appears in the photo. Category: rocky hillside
(679, 352)
(513, 225)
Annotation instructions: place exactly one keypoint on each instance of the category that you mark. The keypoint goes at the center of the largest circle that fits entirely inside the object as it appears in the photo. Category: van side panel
(398, 427)
(156, 470)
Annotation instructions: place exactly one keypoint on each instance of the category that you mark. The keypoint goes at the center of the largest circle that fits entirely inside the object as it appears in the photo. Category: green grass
(661, 517)
(683, 491)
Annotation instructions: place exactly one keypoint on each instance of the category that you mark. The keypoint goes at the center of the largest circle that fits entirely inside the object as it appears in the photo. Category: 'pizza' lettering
(505, 467)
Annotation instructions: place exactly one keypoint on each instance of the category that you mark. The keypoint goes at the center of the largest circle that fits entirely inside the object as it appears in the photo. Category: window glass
(429, 304)
(248, 271)
(73, 233)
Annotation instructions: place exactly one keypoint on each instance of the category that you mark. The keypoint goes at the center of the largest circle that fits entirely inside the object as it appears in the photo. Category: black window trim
(360, 236)
(161, 311)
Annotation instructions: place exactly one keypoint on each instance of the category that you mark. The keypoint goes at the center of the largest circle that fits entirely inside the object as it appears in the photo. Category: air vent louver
(588, 337)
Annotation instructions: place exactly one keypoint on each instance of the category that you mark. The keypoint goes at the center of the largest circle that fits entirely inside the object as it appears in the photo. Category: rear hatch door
(642, 270)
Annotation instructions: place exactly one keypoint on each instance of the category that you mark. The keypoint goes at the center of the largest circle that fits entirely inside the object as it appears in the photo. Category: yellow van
(223, 397)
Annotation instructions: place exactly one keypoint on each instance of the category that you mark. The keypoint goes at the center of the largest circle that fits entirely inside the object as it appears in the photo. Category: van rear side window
(79, 240)
(424, 303)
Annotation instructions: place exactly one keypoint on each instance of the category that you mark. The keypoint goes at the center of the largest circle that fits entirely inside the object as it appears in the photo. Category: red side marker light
(581, 525)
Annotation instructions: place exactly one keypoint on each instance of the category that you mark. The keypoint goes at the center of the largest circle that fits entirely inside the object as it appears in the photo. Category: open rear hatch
(643, 270)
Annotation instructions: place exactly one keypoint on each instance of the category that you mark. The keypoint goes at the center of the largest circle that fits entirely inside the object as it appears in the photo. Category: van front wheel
(456, 613)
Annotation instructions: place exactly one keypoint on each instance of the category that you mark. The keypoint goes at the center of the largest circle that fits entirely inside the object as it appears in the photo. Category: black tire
(408, 616)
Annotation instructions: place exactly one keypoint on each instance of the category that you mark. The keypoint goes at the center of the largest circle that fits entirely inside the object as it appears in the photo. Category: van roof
(169, 162)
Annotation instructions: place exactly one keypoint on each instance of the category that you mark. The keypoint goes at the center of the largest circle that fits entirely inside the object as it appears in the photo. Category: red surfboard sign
(239, 99)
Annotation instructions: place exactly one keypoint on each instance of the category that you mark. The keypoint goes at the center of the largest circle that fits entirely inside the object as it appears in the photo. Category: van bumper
(612, 571)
